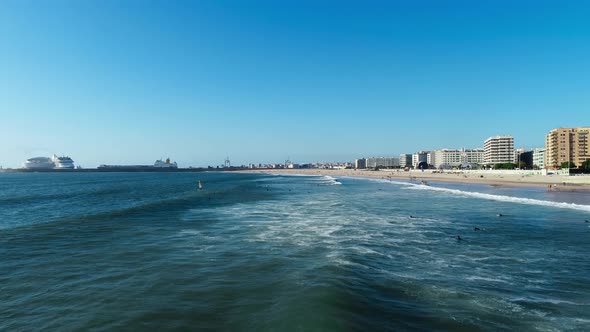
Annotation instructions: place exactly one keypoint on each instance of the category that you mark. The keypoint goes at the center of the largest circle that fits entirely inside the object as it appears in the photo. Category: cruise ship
(165, 164)
(39, 163)
(63, 162)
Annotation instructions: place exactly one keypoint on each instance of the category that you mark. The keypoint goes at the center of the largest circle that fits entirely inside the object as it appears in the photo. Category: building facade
(388, 162)
(474, 156)
(360, 163)
(517, 155)
(539, 158)
(405, 160)
(525, 159)
(421, 157)
(567, 145)
(456, 157)
(446, 157)
(499, 150)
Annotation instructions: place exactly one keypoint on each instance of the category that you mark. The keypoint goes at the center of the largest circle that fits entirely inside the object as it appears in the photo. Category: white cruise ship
(165, 164)
(63, 162)
(39, 163)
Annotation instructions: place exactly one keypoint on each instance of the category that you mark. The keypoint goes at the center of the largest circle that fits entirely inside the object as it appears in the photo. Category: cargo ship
(159, 165)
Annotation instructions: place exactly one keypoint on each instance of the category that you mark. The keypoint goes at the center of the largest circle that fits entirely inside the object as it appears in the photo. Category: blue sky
(260, 81)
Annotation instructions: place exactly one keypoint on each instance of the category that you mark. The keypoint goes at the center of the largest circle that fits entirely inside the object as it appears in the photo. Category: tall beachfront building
(567, 145)
(456, 157)
(499, 150)
(539, 158)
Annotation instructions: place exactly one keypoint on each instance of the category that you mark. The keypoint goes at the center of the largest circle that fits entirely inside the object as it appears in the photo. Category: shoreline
(552, 182)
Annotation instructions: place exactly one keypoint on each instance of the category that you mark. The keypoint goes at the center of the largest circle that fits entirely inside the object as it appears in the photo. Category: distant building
(387, 162)
(567, 145)
(525, 157)
(421, 157)
(360, 163)
(499, 150)
(517, 153)
(539, 158)
(474, 156)
(447, 157)
(405, 160)
(456, 157)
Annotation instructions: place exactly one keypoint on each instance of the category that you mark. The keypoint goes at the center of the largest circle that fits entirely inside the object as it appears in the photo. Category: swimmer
(476, 229)
(459, 238)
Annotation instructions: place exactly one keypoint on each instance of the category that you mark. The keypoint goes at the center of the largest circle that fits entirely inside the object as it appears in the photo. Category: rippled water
(260, 252)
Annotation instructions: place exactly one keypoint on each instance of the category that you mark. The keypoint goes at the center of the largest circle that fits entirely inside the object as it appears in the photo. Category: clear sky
(115, 81)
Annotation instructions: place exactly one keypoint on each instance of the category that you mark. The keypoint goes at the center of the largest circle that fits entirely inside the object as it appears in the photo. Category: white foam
(500, 198)
(292, 174)
(330, 180)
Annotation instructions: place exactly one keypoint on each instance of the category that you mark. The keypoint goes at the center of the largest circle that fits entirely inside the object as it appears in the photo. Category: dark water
(272, 253)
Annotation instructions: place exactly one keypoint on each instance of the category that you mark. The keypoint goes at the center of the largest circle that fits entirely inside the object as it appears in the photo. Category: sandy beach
(493, 178)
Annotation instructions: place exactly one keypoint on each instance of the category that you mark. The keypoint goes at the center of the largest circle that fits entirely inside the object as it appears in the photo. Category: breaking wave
(502, 198)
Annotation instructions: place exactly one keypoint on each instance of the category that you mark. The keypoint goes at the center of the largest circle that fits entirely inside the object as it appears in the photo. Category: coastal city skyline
(263, 82)
(561, 145)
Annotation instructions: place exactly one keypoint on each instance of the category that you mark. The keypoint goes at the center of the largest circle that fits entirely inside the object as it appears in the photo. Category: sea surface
(256, 252)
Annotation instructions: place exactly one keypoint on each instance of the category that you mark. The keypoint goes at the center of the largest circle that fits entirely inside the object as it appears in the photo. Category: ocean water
(255, 252)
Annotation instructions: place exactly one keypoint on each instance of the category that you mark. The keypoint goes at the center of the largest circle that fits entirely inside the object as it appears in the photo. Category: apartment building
(456, 157)
(405, 160)
(567, 145)
(360, 163)
(499, 150)
(382, 162)
(421, 157)
(539, 158)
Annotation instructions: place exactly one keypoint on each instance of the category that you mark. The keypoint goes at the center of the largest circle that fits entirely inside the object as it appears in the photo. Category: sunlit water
(288, 253)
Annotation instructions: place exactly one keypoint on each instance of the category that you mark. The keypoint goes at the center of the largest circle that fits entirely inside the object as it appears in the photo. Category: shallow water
(261, 252)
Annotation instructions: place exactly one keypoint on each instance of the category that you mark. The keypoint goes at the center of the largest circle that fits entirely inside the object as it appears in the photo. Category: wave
(330, 181)
(501, 198)
(325, 179)
(291, 175)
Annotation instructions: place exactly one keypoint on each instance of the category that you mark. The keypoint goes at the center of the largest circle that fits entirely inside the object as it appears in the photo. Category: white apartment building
(382, 162)
(475, 156)
(539, 157)
(456, 157)
(499, 150)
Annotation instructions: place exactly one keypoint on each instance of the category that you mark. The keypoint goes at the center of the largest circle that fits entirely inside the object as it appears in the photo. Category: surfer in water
(499, 215)
(459, 238)
(476, 229)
